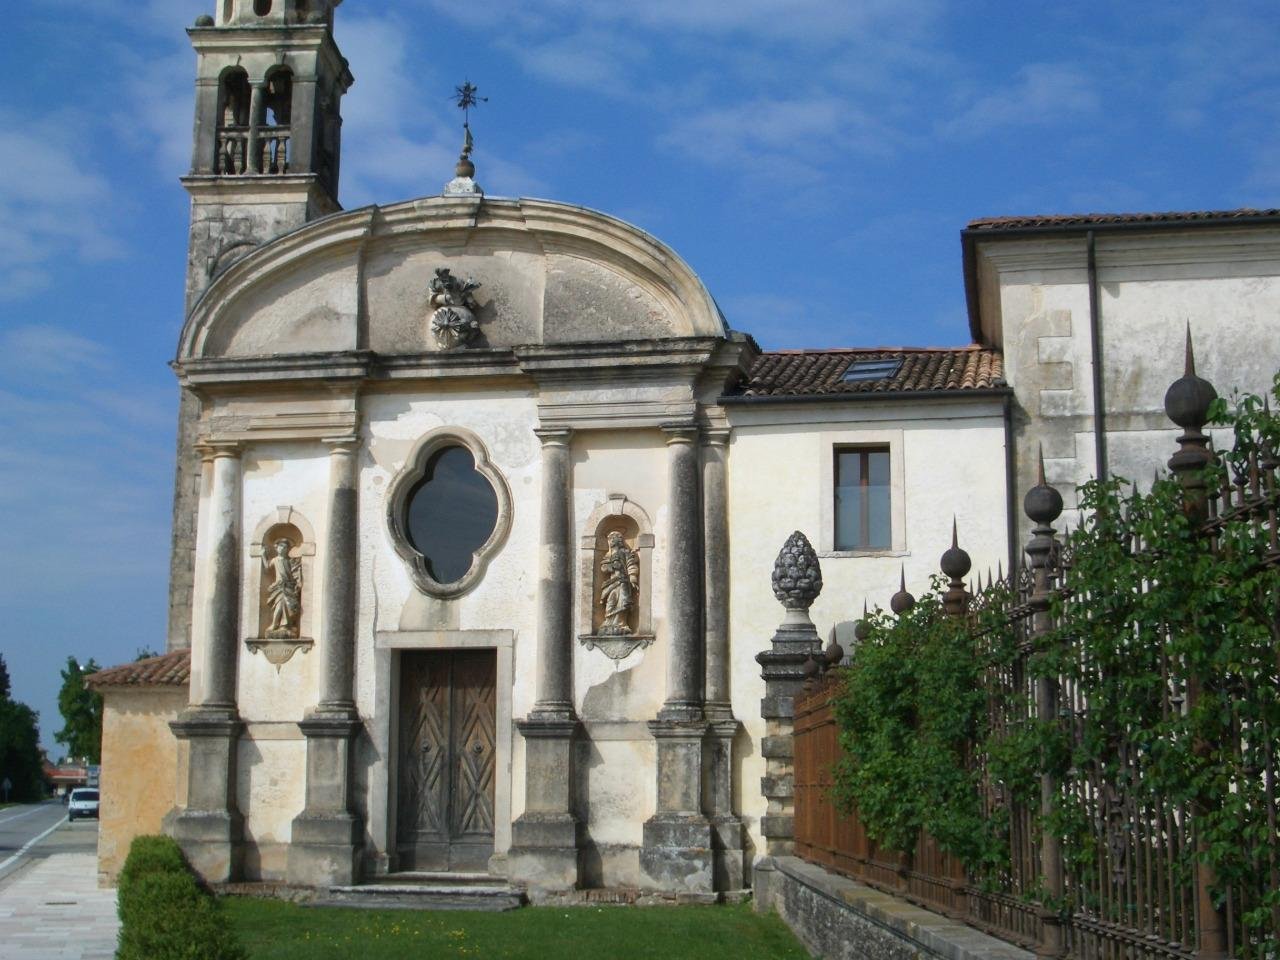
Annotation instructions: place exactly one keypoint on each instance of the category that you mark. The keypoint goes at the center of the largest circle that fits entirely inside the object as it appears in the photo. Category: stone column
(797, 581)
(545, 838)
(727, 834)
(677, 850)
(253, 162)
(325, 844)
(210, 828)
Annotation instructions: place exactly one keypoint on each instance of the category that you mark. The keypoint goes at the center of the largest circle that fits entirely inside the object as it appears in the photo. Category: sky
(813, 160)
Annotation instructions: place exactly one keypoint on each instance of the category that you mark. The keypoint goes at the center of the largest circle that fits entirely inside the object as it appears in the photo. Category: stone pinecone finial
(797, 576)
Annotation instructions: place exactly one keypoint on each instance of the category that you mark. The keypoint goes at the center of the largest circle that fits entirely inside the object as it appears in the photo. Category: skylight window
(861, 371)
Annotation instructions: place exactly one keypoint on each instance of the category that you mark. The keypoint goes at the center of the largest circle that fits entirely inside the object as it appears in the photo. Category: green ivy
(1149, 607)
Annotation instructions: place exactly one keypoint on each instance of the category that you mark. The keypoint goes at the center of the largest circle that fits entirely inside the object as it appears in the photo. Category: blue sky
(813, 160)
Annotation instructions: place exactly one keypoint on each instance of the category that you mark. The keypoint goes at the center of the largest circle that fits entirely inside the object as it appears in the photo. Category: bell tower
(269, 84)
(268, 124)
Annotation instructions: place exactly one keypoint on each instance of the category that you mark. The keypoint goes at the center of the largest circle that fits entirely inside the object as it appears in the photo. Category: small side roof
(168, 670)
(798, 374)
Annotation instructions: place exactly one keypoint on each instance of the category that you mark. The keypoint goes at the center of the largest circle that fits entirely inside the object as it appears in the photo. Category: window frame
(864, 497)
(407, 482)
(833, 442)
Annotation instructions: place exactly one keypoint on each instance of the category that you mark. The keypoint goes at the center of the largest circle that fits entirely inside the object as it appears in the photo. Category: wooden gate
(446, 773)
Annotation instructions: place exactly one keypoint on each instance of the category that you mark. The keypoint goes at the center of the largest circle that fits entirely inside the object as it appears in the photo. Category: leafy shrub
(164, 912)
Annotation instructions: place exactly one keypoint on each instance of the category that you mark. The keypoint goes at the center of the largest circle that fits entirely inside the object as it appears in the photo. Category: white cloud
(34, 351)
(51, 202)
(1043, 94)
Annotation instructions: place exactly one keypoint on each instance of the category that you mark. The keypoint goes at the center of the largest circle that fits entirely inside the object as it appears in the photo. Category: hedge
(165, 914)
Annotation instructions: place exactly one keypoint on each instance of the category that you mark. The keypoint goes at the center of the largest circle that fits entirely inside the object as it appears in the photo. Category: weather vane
(466, 97)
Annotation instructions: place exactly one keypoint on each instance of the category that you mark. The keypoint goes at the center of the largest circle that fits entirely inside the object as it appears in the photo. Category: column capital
(218, 449)
(348, 444)
(553, 436)
(680, 431)
(716, 436)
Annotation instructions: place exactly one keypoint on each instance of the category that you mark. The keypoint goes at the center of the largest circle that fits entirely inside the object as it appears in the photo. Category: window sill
(843, 554)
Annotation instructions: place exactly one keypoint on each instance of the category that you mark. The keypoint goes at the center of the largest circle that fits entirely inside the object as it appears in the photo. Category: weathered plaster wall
(1224, 283)
(143, 766)
(951, 464)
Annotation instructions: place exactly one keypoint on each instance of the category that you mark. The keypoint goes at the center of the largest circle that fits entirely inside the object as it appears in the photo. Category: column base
(325, 850)
(212, 841)
(677, 854)
(544, 854)
(728, 853)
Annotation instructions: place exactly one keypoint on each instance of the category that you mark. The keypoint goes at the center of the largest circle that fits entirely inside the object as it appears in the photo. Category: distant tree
(20, 757)
(81, 710)
(145, 653)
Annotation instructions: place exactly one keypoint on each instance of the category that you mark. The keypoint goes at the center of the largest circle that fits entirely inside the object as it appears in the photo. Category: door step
(427, 891)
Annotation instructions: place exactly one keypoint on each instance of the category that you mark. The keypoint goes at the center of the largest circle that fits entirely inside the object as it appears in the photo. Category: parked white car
(83, 803)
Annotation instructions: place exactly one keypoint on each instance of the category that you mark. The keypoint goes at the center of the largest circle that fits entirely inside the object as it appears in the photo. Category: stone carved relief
(454, 321)
(284, 548)
(615, 579)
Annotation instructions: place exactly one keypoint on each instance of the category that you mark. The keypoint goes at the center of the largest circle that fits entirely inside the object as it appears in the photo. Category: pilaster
(210, 829)
(677, 848)
(325, 844)
(546, 838)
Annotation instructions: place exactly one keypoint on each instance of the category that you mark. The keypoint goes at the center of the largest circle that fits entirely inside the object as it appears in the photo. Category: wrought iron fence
(1137, 885)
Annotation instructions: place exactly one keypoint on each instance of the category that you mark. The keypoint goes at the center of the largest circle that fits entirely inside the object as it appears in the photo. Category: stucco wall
(950, 463)
(1224, 283)
(143, 766)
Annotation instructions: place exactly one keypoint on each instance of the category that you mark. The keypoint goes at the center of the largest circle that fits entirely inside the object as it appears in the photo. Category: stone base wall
(839, 919)
(142, 767)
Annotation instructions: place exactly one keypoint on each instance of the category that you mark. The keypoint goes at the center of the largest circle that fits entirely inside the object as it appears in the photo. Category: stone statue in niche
(454, 322)
(284, 592)
(620, 585)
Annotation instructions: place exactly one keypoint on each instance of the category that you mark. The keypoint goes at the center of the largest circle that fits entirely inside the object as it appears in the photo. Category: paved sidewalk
(53, 910)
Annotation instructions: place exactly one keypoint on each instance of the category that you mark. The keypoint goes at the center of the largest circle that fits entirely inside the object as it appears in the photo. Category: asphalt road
(31, 832)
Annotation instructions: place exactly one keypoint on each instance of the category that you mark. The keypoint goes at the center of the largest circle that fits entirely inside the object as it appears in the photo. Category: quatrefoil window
(449, 512)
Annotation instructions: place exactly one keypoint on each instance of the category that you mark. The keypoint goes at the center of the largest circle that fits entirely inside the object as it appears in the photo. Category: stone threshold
(841, 919)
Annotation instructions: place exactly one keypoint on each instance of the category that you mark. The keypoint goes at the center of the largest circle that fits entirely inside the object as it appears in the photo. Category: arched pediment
(547, 273)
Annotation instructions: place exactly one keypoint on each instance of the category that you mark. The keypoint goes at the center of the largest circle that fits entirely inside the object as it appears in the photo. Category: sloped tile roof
(1104, 219)
(808, 373)
(168, 670)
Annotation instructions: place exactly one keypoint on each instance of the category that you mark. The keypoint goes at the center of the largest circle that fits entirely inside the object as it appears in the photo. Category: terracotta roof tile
(1103, 219)
(169, 670)
(807, 373)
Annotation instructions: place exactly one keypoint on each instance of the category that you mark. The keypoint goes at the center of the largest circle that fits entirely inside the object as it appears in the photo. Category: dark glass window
(863, 520)
(867, 370)
(452, 513)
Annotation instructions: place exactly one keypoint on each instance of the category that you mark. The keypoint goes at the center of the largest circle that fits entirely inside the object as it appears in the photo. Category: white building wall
(948, 461)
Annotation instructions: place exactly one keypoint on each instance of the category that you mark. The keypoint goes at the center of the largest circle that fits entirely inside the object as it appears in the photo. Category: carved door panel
(447, 737)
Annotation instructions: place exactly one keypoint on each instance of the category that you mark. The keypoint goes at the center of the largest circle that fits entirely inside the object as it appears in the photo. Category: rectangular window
(863, 520)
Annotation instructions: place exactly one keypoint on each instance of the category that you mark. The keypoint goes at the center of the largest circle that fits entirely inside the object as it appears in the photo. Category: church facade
(477, 505)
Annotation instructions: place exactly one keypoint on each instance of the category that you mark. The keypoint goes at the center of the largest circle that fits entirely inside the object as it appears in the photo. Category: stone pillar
(677, 851)
(545, 838)
(253, 162)
(210, 828)
(797, 581)
(325, 844)
(726, 827)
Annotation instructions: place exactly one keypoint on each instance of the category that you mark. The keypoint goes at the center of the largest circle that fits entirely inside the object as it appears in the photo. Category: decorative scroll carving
(454, 321)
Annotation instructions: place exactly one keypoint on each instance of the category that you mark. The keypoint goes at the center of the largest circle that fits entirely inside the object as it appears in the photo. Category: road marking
(25, 813)
(31, 843)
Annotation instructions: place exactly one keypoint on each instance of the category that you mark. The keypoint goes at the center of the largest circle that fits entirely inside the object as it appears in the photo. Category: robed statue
(620, 586)
(284, 592)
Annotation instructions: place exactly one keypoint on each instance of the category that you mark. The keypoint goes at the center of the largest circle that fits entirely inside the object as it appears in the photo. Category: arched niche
(414, 479)
(277, 642)
(627, 519)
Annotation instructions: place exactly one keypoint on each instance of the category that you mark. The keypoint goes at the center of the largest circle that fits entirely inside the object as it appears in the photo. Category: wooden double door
(447, 762)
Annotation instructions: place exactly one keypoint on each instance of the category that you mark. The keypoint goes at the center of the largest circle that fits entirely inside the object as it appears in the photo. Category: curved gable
(549, 273)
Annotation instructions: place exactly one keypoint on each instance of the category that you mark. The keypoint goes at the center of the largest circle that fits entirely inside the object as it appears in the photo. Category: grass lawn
(272, 930)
